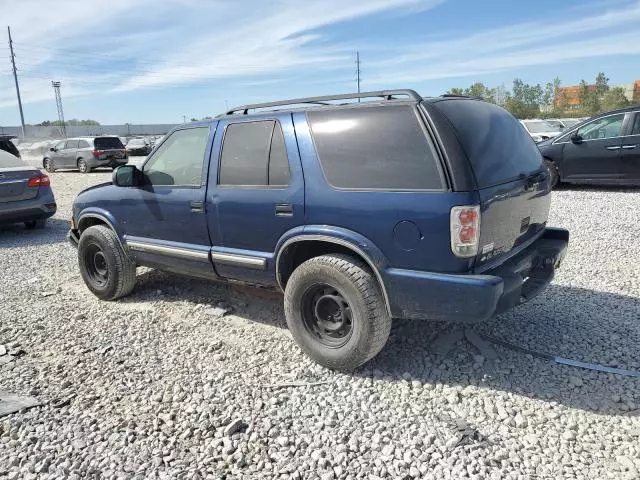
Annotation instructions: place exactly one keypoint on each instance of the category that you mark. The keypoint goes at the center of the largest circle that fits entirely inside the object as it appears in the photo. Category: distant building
(571, 94)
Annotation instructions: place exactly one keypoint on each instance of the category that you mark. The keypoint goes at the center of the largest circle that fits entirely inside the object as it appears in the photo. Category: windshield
(497, 146)
(540, 127)
(103, 143)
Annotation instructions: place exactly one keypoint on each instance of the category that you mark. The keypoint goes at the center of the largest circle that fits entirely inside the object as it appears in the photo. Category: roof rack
(386, 95)
(454, 95)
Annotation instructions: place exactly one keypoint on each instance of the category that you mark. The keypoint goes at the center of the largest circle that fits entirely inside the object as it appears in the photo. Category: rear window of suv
(497, 145)
(106, 143)
(374, 148)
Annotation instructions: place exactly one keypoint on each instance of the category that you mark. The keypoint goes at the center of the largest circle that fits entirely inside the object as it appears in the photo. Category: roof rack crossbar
(386, 95)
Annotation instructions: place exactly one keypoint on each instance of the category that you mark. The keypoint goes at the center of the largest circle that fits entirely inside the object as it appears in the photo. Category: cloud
(526, 44)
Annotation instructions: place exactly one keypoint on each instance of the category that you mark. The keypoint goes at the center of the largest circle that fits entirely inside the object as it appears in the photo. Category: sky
(146, 61)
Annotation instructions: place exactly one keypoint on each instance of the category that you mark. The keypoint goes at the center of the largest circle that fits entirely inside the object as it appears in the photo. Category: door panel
(630, 151)
(250, 213)
(164, 219)
(595, 156)
(70, 150)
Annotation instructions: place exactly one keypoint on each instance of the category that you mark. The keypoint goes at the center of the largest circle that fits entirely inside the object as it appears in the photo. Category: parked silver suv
(85, 154)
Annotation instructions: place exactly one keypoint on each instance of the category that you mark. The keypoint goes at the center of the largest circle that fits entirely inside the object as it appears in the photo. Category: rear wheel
(48, 165)
(336, 312)
(554, 176)
(105, 268)
(82, 166)
(40, 223)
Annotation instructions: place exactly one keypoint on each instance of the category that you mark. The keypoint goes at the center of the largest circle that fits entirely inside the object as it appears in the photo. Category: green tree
(615, 98)
(602, 84)
(479, 89)
(456, 91)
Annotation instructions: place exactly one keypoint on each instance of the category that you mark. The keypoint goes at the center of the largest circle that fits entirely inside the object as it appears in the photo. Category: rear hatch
(512, 181)
(108, 148)
(14, 177)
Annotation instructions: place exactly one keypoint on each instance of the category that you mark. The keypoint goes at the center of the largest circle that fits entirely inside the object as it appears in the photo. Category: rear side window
(497, 145)
(635, 130)
(72, 144)
(254, 154)
(106, 143)
(83, 144)
(374, 148)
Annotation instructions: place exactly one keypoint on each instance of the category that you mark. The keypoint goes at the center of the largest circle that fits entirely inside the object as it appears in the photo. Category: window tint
(83, 144)
(278, 161)
(254, 154)
(636, 126)
(72, 144)
(106, 143)
(179, 160)
(374, 148)
(606, 127)
(497, 145)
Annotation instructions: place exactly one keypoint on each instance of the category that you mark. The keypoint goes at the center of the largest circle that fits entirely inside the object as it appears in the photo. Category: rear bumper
(43, 206)
(475, 298)
(107, 162)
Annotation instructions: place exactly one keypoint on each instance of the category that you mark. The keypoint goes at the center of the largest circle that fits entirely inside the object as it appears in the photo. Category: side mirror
(576, 137)
(126, 176)
(52, 149)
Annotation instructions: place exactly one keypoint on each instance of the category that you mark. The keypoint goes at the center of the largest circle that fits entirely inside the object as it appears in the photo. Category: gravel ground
(159, 385)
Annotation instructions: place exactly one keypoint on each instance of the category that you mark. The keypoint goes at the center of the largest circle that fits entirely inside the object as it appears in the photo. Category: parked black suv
(402, 207)
(603, 150)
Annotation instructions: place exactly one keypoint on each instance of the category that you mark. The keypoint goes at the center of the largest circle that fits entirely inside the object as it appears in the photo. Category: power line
(15, 78)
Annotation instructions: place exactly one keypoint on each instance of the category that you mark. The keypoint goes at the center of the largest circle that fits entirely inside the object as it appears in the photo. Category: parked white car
(540, 129)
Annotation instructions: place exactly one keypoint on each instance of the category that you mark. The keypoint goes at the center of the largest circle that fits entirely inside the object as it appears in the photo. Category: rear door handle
(629, 147)
(284, 210)
(197, 207)
(613, 148)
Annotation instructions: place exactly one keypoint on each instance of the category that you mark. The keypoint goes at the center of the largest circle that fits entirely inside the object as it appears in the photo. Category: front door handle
(197, 207)
(629, 147)
(284, 210)
(613, 148)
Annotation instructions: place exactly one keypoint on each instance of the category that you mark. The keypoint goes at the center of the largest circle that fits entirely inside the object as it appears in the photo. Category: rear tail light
(39, 181)
(465, 230)
(97, 153)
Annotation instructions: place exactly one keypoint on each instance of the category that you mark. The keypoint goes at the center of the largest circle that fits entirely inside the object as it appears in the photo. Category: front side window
(606, 127)
(254, 154)
(179, 160)
(374, 148)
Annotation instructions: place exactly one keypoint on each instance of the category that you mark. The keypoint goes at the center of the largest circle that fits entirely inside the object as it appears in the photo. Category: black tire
(82, 166)
(554, 175)
(105, 268)
(31, 224)
(339, 286)
(48, 165)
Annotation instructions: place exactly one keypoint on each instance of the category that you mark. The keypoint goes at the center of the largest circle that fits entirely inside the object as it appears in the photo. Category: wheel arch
(91, 219)
(298, 249)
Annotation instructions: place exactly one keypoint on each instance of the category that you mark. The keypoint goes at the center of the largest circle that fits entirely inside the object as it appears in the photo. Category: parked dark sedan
(25, 193)
(138, 146)
(603, 150)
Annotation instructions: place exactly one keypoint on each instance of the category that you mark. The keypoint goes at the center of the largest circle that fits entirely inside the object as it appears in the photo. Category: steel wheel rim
(47, 164)
(96, 265)
(82, 166)
(327, 316)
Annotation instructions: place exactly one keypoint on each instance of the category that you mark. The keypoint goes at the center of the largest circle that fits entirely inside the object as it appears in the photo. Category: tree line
(74, 122)
(535, 101)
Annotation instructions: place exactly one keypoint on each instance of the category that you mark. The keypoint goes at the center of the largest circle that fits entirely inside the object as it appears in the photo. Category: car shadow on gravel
(17, 235)
(568, 187)
(580, 324)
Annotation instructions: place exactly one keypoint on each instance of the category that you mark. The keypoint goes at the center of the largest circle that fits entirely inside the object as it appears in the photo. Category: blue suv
(360, 212)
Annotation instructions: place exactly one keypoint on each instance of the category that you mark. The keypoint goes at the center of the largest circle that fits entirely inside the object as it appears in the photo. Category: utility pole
(15, 77)
(56, 89)
(184, 119)
(358, 71)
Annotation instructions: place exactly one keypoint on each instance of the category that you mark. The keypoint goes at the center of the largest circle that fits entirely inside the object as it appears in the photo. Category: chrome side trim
(166, 250)
(257, 263)
(337, 241)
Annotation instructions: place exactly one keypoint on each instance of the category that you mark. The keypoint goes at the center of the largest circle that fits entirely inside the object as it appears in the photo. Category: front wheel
(48, 165)
(336, 312)
(82, 166)
(105, 267)
(554, 176)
